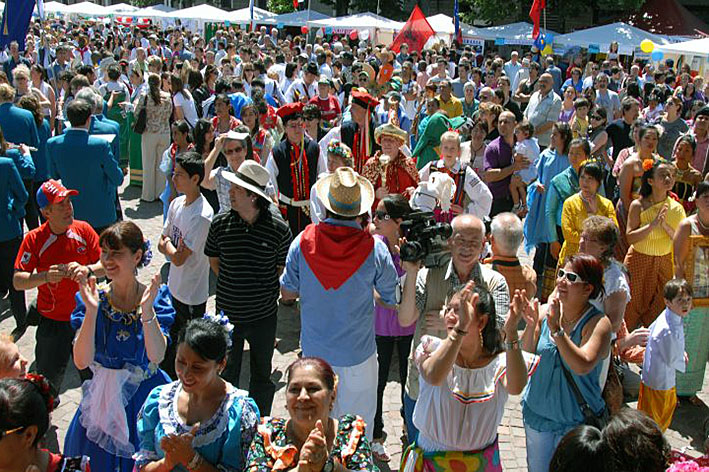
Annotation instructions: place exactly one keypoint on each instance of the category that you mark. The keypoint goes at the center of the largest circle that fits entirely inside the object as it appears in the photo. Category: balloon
(353, 35)
(304, 29)
(364, 34)
(657, 56)
(547, 50)
(647, 46)
(385, 73)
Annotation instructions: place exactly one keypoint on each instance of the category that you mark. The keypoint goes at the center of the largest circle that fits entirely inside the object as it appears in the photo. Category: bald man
(543, 110)
(427, 290)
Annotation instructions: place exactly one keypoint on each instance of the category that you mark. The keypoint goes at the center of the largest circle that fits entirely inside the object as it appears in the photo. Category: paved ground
(684, 434)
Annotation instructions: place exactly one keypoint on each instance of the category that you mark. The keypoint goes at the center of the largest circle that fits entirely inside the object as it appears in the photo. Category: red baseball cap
(53, 192)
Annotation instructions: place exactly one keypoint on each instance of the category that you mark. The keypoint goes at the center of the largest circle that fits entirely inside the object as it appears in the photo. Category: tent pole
(545, 18)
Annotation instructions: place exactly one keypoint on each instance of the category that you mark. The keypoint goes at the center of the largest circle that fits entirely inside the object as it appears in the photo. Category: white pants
(152, 146)
(357, 392)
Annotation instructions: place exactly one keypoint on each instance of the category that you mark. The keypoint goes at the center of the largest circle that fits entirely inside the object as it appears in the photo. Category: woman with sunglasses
(597, 135)
(672, 125)
(571, 334)
(25, 405)
(652, 221)
(390, 335)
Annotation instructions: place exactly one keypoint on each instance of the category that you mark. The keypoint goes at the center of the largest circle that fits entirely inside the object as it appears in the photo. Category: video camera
(426, 239)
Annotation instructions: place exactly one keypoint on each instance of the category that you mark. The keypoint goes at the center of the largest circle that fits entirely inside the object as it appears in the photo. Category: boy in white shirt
(182, 241)
(664, 355)
(529, 148)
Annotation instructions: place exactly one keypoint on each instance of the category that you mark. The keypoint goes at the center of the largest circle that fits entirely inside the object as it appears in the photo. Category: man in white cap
(335, 267)
(247, 249)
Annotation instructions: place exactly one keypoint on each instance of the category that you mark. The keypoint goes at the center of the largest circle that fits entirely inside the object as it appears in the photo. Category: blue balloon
(657, 55)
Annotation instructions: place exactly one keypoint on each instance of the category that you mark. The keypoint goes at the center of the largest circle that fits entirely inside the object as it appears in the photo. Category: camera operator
(426, 292)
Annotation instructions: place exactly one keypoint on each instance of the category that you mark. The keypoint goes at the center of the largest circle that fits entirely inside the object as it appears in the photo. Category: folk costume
(360, 141)
(294, 169)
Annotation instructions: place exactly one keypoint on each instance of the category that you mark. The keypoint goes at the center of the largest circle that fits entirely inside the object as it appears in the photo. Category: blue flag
(15, 21)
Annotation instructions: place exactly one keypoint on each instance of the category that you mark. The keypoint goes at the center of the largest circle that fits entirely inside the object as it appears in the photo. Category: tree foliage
(393, 9)
(280, 6)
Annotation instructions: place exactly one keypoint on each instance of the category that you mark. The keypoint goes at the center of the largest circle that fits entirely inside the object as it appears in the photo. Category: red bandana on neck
(334, 252)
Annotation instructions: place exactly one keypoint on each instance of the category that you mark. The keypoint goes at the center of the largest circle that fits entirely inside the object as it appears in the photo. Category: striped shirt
(249, 261)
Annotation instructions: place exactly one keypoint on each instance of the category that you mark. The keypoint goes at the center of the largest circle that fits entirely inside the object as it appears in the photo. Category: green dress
(117, 114)
(135, 153)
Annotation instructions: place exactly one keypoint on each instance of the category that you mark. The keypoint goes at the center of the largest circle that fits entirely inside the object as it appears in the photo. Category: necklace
(701, 223)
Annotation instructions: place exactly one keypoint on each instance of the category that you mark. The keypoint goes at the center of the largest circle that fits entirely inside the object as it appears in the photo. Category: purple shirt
(498, 155)
(386, 322)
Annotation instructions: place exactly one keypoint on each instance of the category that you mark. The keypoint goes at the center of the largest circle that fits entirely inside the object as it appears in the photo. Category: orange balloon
(385, 73)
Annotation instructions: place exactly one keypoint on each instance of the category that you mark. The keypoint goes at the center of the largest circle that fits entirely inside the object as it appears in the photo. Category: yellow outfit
(579, 127)
(658, 242)
(453, 107)
(658, 404)
(573, 215)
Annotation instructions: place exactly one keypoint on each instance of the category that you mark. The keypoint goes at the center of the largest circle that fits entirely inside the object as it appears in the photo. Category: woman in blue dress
(200, 422)
(551, 162)
(122, 335)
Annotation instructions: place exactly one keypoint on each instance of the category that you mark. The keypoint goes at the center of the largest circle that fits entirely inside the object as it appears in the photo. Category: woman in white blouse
(465, 381)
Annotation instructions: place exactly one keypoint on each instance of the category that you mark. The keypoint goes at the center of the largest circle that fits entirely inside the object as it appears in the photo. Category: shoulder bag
(589, 417)
(142, 119)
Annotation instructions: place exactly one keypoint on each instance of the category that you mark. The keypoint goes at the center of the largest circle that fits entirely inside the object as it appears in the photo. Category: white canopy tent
(205, 13)
(155, 11)
(85, 8)
(444, 26)
(696, 47)
(513, 33)
(628, 37)
(378, 28)
(296, 18)
(243, 15)
(122, 8)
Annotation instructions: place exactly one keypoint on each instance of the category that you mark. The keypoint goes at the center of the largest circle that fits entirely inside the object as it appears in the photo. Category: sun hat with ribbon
(345, 192)
(251, 176)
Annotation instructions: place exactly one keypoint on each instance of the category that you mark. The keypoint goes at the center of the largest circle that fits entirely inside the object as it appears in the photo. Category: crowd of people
(293, 171)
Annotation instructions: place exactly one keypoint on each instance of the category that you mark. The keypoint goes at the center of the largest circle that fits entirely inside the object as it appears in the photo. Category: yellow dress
(573, 215)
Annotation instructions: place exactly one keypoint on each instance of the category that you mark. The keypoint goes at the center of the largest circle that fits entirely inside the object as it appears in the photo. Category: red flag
(415, 33)
(295, 5)
(534, 13)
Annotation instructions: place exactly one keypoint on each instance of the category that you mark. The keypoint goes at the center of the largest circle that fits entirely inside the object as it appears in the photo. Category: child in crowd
(182, 241)
(665, 354)
(471, 194)
(529, 148)
(12, 363)
(579, 124)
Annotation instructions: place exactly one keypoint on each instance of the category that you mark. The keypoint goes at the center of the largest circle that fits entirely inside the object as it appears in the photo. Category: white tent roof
(628, 37)
(153, 11)
(203, 12)
(443, 24)
(514, 33)
(697, 47)
(243, 15)
(86, 8)
(296, 18)
(359, 20)
(121, 8)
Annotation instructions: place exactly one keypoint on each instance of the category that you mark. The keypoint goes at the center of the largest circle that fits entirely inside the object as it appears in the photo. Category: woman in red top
(389, 170)
(25, 405)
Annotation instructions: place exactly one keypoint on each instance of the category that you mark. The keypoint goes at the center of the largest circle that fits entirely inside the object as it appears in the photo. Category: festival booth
(153, 11)
(513, 34)
(444, 26)
(598, 39)
(368, 26)
(121, 8)
(695, 53)
(193, 18)
(85, 9)
(295, 18)
(243, 16)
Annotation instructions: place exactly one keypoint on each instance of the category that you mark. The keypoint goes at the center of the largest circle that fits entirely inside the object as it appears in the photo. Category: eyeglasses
(382, 215)
(233, 151)
(10, 431)
(571, 277)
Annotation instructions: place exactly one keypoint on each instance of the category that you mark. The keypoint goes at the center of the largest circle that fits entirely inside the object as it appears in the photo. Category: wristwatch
(329, 465)
(558, 333)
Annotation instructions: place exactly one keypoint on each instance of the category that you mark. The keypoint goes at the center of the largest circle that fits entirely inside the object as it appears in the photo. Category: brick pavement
(685, 432)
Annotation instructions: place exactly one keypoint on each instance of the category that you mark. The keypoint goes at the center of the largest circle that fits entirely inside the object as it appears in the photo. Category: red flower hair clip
(647, 164)
(44, 388)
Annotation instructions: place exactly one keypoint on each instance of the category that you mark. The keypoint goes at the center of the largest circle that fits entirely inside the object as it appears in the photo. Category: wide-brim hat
(251, 176)
(385, 56)
(345, 192)
(367, 67)
(389, 129)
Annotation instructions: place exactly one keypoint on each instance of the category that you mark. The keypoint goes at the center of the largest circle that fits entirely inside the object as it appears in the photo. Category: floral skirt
(486, 460)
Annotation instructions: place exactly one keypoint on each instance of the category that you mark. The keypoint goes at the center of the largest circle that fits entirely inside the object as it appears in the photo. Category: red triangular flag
(415, 33)
(534, 13)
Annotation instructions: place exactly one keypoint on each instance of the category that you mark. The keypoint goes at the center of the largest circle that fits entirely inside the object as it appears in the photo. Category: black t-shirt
(619, 136)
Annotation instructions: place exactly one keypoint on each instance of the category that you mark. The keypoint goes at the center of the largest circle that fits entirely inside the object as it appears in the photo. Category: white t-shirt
(189, 283)
(188, 108)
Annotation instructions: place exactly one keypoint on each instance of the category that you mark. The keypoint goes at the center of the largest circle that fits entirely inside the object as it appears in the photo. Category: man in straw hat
(247, 250)
(294, 167)
(389, 170)
(334, 267)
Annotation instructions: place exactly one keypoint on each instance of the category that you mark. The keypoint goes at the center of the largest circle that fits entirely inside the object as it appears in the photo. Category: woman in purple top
(390, 335)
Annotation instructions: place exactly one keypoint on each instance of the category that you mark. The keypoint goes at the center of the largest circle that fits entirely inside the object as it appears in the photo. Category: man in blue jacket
(85, 163)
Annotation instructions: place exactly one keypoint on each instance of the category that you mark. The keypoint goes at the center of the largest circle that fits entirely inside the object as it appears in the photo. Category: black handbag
(142, 120)
(589, 417)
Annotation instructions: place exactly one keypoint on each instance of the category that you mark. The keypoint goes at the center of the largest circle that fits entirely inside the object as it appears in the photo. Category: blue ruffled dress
(122, 374)
(223, 440)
